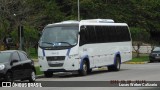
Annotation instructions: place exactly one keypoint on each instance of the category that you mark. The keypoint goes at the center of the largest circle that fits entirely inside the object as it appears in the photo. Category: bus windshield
(57, 36)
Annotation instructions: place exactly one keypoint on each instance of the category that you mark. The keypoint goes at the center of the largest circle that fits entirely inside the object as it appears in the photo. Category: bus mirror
(83, 27)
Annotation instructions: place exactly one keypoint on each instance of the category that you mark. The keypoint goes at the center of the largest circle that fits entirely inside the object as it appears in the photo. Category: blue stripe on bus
(68, 51)
(82, 59)
(43, 52)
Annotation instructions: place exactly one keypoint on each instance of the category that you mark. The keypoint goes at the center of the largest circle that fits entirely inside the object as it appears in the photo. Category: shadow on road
(75, 74)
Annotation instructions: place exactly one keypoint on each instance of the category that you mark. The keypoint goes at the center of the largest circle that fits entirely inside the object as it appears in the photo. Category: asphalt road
(148, 72)
(133, 72)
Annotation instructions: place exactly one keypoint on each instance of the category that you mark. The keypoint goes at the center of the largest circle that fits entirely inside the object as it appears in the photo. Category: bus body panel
(104, 53)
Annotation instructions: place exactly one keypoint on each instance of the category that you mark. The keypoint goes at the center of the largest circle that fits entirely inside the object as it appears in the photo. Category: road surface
(147, 72)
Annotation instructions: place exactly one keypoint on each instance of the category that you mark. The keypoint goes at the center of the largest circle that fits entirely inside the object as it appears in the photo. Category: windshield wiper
(48, 43)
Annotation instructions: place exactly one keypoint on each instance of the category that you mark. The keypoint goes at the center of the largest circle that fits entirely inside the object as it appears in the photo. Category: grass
(140, 59)
(32, 53)
(38, 72)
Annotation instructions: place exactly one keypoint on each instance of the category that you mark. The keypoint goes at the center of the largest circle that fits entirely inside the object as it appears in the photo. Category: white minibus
(81, 46)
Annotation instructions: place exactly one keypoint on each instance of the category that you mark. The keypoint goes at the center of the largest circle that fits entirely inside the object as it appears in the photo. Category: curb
(39, 76)
(135, 62)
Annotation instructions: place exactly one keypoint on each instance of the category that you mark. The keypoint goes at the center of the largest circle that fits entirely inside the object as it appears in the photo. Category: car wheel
(84, 70)
(9, 77)
(151, 61)
(32, 77)
(48, 74)
(116, 66)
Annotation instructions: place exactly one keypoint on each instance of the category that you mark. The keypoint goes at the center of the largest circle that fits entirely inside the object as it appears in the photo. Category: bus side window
(82, 36)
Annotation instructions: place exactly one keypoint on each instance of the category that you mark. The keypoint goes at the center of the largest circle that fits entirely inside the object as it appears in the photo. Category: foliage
(143, 15)
(139, 36)
(38, 72)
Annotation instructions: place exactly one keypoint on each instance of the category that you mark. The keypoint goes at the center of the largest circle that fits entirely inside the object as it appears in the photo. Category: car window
(23, 56)
(4, 57)
(15, 56)
(157, 49)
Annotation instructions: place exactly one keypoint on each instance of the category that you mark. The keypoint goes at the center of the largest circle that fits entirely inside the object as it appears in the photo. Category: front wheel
(9, 77)
(84, 69)
(32, 77)
(116, 66)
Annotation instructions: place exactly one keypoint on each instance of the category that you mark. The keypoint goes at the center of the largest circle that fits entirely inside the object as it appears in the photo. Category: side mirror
(13, 61)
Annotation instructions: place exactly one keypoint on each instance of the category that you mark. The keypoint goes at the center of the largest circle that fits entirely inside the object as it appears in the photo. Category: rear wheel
(84, 69)
(151, 61)
(89, 71)
(116, 66)
(48, 74)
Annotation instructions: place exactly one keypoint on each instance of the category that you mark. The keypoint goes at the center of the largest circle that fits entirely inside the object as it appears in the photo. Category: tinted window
(99, 34)
(15, 56)
(23, 56)
(91, 34)
(103, 34)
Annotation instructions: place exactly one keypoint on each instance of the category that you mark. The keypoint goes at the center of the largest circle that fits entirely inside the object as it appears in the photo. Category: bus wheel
(89, 71)
(116, 66)
(84, 69)
(48, 74)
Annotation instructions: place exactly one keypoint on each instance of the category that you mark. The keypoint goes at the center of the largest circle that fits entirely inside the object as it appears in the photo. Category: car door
(16, 66)
(27, 68)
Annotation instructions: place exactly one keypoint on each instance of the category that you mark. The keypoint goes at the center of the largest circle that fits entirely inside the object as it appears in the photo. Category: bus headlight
(41, 57)
(2, 66)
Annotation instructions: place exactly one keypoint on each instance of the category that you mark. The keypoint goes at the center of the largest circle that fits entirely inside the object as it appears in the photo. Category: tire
(9, 77)
(151, 61)
(32, 77)
(89, 71)
(48, 74)
(116, 66)
(84, 70)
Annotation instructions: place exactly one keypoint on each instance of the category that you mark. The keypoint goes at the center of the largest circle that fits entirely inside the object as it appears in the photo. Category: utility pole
(78, 11)
(20, 31)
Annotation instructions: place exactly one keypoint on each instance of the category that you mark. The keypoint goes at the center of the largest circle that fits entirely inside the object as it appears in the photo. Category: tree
(139, 36)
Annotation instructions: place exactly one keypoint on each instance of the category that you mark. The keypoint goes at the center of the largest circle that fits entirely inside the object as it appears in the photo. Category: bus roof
(64, 23)
(98, 21)
(89, 22)
(103, 24)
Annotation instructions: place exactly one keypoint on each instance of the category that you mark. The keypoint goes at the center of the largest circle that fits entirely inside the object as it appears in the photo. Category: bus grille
(56, 58)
